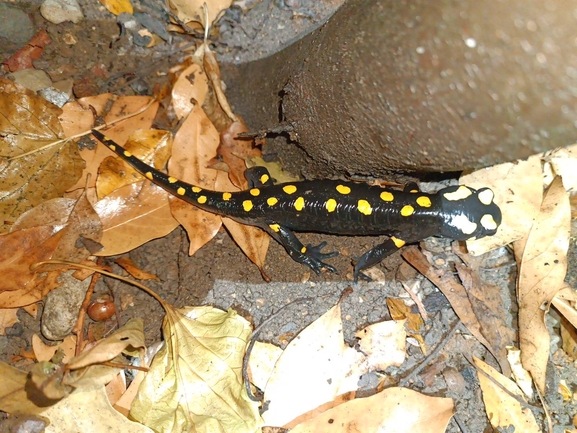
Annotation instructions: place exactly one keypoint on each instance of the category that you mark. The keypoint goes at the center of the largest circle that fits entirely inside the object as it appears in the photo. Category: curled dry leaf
(502, 406)
(28, 124)
(397, 410)
(195, 381)
(542, 259)
(130, 267)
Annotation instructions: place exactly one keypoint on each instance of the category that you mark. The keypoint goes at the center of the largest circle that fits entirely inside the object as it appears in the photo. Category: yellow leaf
(195, 381)
(118, 6)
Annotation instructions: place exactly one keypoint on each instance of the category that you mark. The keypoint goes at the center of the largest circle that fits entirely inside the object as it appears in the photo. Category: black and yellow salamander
(344, 208)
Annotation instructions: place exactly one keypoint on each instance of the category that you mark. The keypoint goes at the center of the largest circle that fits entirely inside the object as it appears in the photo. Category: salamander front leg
(377, 254)
(309, 255)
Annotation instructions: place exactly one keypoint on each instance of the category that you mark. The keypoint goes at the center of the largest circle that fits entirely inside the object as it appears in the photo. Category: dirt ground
(102, 60)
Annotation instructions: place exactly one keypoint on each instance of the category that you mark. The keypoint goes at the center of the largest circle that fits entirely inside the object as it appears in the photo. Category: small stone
(58, 11)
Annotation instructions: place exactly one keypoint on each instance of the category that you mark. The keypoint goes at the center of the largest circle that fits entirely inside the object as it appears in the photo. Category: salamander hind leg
(310, 256)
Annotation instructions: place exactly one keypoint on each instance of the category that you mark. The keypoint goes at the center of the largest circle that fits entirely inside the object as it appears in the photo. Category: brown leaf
(39, 287)
(234, 152)
(21, 249)
(252, 241)
(129, 266)
(194, 145)
(455, 293)
(28, 123)
(132, 216)
(542, 259)
(8, 318)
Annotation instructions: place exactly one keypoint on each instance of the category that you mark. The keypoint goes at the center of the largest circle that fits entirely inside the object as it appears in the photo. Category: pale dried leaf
(8, 317)
(394, 410)
(502, 408)
(317, 360)
(189, 90)
(542, 269)
(383, 343)
(262, 361)
(195, 381)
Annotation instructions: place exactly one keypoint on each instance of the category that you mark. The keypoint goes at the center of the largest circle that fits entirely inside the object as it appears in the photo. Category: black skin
(328, 206)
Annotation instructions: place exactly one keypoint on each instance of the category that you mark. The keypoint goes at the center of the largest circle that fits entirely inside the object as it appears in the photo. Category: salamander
(337, 207)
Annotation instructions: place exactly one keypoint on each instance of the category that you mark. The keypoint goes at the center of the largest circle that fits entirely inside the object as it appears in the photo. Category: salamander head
(468, 213)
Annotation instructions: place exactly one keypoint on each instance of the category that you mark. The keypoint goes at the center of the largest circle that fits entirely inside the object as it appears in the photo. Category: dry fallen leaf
(194, 145)
(394, 410)
(195, 381)
(130, 267)
(503, 409)
(542, 259)
(383, 343)
(191, 11)
(318, 361)
(8, 318)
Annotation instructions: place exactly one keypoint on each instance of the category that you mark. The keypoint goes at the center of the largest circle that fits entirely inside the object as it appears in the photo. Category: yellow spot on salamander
(299, 203)
(303, 250)
(486, 197)
(343, 189)
(226, 196)
(424, 201)
(461, 193)
(172, 179)
(407, 210)
(414, 191)
(271, 201)
(247, 205)
(181, 191)
(202, 199)
(264, 178)
(254, 192)
(196, 189)
(331, 204)
(127, 154)
(488, 222)
(289, 189)
(148, 175)
(275, 227)
(364, 207)
(398, 242)
(387, 196)
(112, 146)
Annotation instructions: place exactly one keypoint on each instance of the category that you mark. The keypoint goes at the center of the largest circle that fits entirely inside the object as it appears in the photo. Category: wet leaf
(542, 259)
(195, 380)
(133, 215)
(27, 123)
(150, 146)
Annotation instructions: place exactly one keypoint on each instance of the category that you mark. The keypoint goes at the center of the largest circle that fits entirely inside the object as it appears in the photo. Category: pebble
(58, 11)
